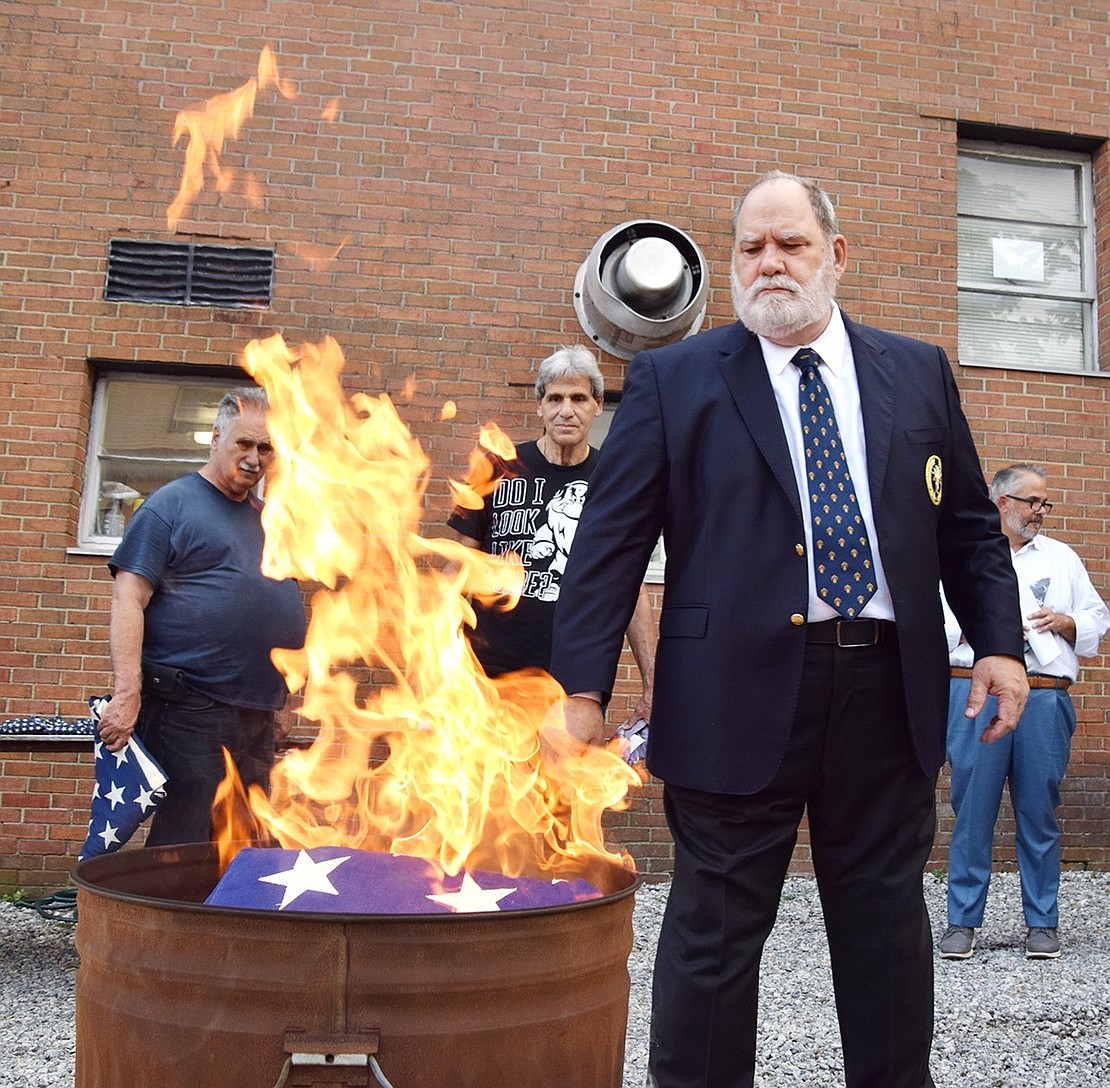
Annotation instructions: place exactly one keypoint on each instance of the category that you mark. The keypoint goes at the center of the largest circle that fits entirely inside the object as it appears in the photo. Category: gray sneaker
(1042, 944)
(957, 943)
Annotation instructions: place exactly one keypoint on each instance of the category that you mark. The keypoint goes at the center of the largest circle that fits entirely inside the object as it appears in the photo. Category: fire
(418, 752)
(219, 119)
(315, 256)
(482, 479)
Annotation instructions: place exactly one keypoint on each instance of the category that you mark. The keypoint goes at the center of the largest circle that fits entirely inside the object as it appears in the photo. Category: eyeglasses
(1036, 506)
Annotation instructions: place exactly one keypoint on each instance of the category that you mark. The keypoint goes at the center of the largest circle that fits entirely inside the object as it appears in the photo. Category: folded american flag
(127, 788)
(339, 880)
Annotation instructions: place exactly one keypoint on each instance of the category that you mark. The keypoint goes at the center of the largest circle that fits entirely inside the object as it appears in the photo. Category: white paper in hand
(1044, 645)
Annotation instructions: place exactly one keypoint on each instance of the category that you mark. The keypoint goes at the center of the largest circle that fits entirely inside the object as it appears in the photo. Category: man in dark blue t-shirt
(193, 622)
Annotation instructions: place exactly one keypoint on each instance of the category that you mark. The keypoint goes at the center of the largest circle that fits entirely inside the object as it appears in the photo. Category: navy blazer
(697, 451)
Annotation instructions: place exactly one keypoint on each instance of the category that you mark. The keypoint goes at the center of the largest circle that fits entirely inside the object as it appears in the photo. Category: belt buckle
(841, 645)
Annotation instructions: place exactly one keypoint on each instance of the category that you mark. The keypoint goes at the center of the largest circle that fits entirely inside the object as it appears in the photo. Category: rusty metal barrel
(175, 994)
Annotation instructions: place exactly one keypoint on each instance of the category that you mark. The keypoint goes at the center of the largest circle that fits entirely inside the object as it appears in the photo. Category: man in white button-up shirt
(1064, 618)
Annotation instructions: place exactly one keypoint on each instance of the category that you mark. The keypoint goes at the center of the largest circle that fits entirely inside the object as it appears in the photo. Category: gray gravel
(1002, 1021)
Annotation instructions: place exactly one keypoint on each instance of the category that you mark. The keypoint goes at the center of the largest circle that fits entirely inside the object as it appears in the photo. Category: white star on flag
(115, 794)
(472, 898)
(305, 876)
(108, 835)
(145, 799)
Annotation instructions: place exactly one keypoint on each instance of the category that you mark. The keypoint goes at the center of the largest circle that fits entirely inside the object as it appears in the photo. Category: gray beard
(1019, 528)
(782, 317)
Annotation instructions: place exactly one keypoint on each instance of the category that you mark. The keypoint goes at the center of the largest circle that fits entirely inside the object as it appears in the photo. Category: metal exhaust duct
(642, 286)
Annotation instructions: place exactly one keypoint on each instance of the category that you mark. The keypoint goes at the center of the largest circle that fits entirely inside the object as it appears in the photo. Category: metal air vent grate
(185, 273)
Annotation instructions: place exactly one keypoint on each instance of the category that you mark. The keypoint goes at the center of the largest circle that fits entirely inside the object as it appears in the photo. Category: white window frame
(91, 540)
(1085, 296)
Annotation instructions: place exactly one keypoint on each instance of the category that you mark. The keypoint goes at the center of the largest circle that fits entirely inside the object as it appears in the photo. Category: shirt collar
(829, 345)
(1036, 544)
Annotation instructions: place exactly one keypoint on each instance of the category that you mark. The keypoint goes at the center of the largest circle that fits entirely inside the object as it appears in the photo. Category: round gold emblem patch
(934, 479)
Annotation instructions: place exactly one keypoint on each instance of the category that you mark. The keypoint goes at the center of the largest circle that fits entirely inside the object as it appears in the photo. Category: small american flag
(633, 740)
(127, 788)
(340, 880)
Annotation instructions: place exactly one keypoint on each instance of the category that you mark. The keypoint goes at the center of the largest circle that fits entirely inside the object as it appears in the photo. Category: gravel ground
(1002, 1021)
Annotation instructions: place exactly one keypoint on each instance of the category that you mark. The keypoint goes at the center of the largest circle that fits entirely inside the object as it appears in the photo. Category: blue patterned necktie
(842, 563)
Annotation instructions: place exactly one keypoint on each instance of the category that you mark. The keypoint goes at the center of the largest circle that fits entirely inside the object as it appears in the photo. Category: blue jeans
(186, 735)
(1034, 759)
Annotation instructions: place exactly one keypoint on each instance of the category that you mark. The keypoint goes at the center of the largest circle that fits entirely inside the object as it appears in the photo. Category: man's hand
(569, 729)
(1045, 621)
(285, 720)
(584, 720)
(641, 711)
(1003, 677)
(117, 722)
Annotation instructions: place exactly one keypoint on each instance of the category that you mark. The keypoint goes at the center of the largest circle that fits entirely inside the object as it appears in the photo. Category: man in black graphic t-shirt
(534, 512)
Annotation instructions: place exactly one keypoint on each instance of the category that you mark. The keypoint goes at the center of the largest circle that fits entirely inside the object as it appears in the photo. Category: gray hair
(234, 401)
(575, 361)
(818, 199)
(1005, 478)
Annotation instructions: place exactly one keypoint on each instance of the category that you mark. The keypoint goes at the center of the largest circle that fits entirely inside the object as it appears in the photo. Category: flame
(483, 474)
(233, 820)
(315, 256)
(418, 752)
(220, 119)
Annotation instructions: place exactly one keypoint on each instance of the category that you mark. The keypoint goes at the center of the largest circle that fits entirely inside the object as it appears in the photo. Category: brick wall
(44, 812)
(478, 151)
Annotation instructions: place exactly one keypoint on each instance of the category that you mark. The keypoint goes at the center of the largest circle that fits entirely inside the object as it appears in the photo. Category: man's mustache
(765, 283)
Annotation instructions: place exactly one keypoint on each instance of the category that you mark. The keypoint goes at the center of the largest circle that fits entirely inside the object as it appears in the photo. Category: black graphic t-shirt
(534, 512)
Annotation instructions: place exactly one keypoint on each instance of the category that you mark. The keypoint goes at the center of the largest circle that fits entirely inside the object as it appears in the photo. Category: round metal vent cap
(642, 286)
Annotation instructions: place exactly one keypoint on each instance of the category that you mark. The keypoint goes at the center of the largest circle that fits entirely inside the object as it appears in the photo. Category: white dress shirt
(838, 372)
(1054, 576)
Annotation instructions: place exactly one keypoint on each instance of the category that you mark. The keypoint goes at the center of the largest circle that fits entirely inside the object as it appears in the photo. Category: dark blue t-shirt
(213, 614)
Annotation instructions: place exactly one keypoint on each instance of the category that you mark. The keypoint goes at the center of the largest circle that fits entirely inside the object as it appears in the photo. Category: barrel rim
(127, 863)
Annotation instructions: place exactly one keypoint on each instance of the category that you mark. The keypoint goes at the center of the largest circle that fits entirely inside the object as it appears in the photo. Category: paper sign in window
(1018, 259)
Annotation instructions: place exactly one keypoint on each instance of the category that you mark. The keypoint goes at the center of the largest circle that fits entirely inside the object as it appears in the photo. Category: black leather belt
(851, 634)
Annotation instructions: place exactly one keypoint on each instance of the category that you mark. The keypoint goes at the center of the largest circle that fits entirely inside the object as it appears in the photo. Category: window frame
(89, 541)
(1087, 293)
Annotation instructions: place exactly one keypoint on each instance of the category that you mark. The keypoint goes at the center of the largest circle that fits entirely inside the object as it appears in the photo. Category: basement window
(145, 430)
(1026, 257)
(189, 274)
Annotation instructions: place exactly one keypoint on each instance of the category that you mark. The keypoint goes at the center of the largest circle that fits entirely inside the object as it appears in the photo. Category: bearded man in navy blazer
(787, 685)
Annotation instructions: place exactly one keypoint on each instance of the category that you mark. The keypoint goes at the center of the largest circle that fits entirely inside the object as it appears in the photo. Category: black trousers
(872, 815)
(186, 733)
